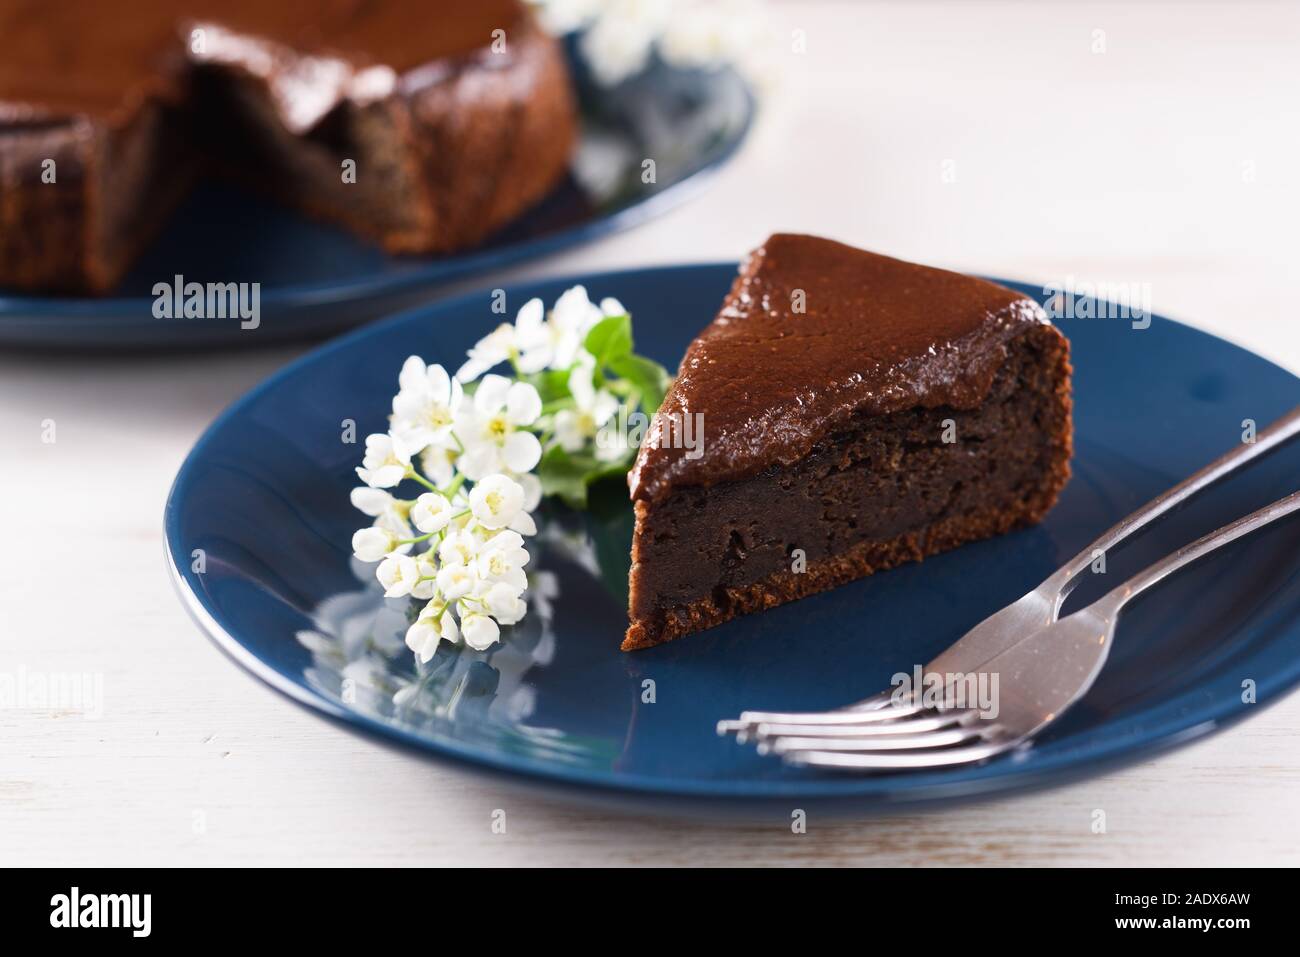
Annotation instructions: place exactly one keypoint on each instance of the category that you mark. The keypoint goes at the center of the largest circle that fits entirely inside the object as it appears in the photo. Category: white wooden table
(987, 138)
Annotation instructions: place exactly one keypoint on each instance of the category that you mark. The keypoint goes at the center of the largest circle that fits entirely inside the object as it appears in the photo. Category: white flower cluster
(621, 34)
(459, 546)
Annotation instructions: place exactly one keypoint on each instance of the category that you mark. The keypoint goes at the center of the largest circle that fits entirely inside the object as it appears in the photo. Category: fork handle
(1277, 434)
(1162, 569)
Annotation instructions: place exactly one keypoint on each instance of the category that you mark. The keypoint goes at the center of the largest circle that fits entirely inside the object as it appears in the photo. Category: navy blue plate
(317, 279)
(264, 496)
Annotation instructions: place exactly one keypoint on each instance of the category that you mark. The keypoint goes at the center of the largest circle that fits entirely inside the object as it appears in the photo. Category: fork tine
(883, 701)
(880, 700)
(728, 726)
(933, 721)
(864, 716)
(749, 722)
(880, 742)
(875, 706)
(874, 761)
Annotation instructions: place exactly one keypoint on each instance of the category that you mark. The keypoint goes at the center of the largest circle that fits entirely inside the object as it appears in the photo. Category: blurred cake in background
(422, 124)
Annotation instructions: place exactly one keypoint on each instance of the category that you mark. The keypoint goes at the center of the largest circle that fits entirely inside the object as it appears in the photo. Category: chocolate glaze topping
(876, 335)
(67, 58)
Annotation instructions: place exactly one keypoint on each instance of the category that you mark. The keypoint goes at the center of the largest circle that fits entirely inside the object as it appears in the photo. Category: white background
(1172, 159)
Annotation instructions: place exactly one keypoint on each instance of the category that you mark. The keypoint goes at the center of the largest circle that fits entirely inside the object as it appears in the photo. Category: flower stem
(416, 541)
(413, 474)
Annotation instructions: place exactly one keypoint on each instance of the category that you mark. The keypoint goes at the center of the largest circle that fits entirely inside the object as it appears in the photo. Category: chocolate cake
(855, 412)
(458, 116)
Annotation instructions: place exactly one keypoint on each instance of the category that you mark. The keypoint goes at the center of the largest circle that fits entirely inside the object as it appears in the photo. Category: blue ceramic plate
(264, 495)
(317, 279)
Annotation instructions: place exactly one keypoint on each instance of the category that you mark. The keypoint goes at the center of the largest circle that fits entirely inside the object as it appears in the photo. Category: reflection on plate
(359, 655)
(264, 496)
(316, 279)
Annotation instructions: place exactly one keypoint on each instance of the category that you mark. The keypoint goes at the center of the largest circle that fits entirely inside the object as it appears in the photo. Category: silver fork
(1040, 678)
(1034, 611)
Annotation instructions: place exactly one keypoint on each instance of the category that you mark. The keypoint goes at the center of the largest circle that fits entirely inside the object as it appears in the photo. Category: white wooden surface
(1170, 159)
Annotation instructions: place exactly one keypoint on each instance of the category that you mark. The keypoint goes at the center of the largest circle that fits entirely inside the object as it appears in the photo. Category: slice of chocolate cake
(849, 412)
(423, 124)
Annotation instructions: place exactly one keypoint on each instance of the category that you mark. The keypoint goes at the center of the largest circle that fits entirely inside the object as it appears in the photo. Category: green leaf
(551, 385)
(567, 475)
(610, 339)
(649, 378)
(597, 470)
(563, 477)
